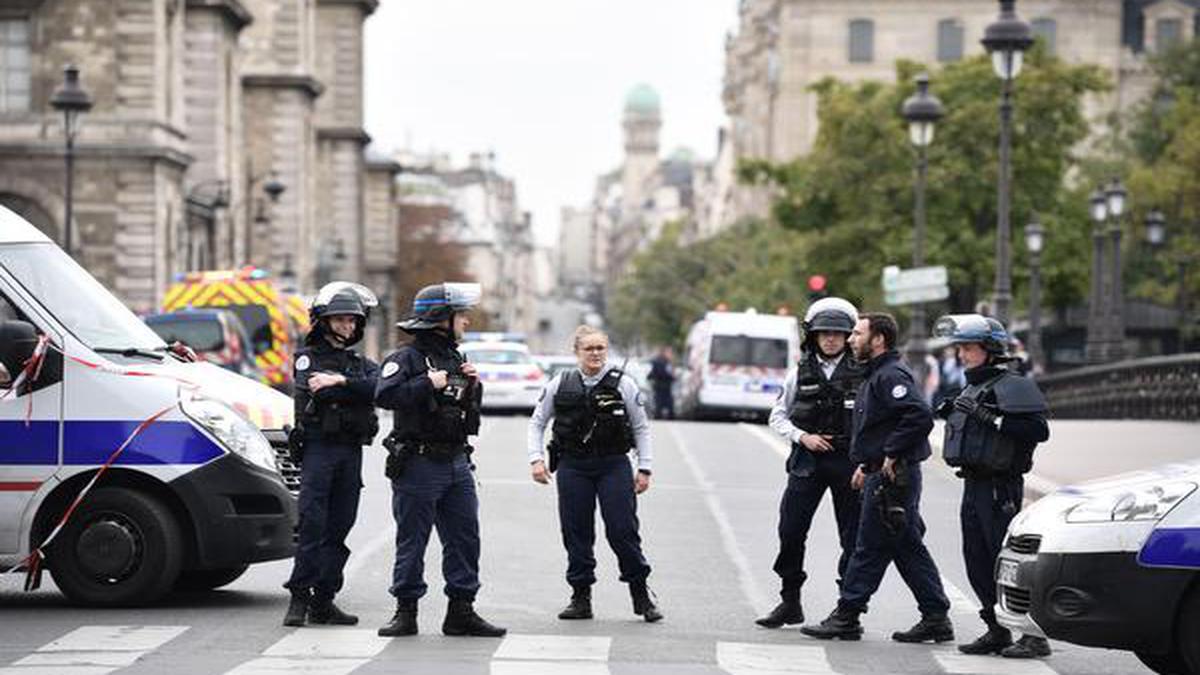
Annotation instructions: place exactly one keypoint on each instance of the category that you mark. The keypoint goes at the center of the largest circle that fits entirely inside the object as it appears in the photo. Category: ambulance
(736, 363)
(1113, 563)
(274, 319)
(125, 471)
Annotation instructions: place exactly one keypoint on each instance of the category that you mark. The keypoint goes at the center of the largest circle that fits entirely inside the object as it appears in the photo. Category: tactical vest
(449, 407)
(824, 406)
(981, 448)
(337, 420)
(591, 422)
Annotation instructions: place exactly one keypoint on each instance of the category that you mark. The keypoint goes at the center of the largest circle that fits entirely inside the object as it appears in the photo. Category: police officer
(434, 396)
(992, 427)
(335, 417)
(598, 417)
(890, 438)
(813, 412)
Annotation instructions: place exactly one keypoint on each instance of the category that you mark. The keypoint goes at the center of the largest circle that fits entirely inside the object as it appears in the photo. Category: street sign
(914, 296)
(920, 284)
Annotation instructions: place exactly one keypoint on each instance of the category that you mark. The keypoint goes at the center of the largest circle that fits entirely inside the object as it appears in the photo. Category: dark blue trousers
(797, 507)
(581, 483)
(330, 481)
(988, 506)
(436, 494)
(876, 548)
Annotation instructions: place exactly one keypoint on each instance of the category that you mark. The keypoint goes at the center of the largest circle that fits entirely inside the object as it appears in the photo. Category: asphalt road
(709, 529)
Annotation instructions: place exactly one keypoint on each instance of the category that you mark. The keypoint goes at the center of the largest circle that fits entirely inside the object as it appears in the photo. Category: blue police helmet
(439, 302)
(963, 328)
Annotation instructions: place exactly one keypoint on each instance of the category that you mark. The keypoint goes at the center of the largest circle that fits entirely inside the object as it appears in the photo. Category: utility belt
(435, 451)
(588, 453)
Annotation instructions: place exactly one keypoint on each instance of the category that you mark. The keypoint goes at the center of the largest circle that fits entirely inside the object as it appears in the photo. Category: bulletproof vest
(448, 408)
(976, 446)
(337, 420)
(591, 422)
(824, 406)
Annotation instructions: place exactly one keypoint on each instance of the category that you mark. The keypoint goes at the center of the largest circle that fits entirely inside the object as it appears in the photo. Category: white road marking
(83, 659)
(964, 664)
(743, 658)
(282, 666)
(56, 670)
(758, 600)
(114, 639)
(773, 441)
(553, 648)
(329, 643)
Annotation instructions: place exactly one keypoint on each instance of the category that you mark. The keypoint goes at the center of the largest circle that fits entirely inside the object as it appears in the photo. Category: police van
(189, 491)
(1113, 563)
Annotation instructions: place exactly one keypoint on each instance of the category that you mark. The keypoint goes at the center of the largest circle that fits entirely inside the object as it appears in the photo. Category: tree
(426, 254)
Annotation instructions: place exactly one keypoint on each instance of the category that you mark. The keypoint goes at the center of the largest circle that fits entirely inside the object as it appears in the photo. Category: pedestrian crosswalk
(101, 650)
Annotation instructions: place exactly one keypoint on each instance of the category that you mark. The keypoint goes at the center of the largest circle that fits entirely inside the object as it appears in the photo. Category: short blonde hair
(585, 331)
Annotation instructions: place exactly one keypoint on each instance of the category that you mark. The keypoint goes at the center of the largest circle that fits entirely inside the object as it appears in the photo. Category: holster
(397, 456)
(892, 498)
(555, 453)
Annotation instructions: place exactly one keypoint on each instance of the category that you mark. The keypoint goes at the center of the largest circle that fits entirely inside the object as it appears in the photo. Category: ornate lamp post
(1035, 239)
(922, 110)
(1115, 197)
(1156, 235)
(1097, 309)
(1006, 39)
(71, 100)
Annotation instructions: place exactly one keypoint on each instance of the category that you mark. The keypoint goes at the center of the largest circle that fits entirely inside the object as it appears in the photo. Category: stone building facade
(783, 47)
(200, 106)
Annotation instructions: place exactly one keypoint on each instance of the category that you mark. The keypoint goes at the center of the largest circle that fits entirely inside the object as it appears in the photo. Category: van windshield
(258, 324)
(75, 299)
(740, 350)
(202, 335)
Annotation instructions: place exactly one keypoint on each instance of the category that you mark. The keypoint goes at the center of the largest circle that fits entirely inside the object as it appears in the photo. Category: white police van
(1112, 563)
(193, 497)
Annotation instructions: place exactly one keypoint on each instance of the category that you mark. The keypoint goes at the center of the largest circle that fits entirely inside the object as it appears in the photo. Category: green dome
(642, 99)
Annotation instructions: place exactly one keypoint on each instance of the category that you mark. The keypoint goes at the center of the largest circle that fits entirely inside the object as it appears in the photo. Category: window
(950, 40)
(1047, 31)
(739, 350)
(862, 41)
(14, 65)
(1167, 33)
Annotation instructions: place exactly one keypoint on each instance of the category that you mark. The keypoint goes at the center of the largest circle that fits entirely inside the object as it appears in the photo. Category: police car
(511, 379)
(124, 470)
(1113, 563)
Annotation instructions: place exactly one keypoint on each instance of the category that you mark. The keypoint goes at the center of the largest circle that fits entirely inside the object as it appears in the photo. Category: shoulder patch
(899, 391)
(303, 363)
(389, 369)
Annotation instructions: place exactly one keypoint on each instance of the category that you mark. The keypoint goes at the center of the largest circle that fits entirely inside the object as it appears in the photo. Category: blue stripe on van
(91, 443)
(1172, 547)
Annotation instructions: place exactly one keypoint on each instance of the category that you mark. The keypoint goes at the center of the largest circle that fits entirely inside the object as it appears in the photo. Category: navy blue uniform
(334, 423)
(891, 419)
(436, 487)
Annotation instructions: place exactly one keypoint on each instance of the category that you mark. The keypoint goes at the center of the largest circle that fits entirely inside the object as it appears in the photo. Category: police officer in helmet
(992, 428)
(335, 417)
(813, 412)
(434, 396)
(598, 418)
(889, 440)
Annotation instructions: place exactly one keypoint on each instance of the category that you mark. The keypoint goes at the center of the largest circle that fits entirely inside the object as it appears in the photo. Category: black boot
(993, 641)
(931, 628)
(461, 619)
(298, 608)
(404, 621)
(1028, 647)
(581, 604)
(786, 613)
(841, 624)
(323, 611)
(643, 605)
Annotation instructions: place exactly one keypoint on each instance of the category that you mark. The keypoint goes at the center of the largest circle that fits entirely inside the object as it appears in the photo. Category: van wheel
(1186, 644)
(1163, 664)
(120, 547)
(207, 580)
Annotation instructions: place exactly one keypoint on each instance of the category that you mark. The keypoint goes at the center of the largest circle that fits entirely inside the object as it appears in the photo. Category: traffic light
(816, 287)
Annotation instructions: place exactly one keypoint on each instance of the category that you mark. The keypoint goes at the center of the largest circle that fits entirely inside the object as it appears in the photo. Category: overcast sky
(542, 83)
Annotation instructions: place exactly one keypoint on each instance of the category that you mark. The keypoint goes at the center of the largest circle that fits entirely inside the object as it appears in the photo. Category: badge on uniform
(302, 363)
(899, 391)
(390, 368)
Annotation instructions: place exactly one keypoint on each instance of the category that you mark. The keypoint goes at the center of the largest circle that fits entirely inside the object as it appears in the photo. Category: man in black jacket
(890, 439)
(992, 427)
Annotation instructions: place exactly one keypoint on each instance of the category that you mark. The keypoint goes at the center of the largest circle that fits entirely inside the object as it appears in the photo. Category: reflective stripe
(1172, 547)
(91, 442)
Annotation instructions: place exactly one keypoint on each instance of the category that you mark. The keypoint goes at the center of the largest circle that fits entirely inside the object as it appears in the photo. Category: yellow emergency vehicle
(273, 319)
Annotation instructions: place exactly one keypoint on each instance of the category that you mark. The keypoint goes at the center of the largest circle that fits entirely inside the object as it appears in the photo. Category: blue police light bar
(493, 336)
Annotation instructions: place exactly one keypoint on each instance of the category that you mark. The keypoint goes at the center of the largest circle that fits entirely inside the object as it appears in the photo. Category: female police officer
(598, 417)
(335, 417)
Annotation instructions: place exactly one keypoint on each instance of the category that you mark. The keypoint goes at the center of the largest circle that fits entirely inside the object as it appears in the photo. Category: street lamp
(1106, 315)
(1096, 338)
(71, 100)
(1006, 39)
(922, 110)
(1115, 197)
(1035, 239)
(1156, 235)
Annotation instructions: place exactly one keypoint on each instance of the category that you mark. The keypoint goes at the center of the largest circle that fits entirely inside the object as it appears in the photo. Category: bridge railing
(1156, 388)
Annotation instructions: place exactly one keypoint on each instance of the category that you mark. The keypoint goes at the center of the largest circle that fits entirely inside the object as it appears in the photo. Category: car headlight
(1138, 502)
(233, 431)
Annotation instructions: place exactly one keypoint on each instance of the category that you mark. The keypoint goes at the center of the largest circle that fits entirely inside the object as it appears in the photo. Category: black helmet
(341, 298)
(830, 314)
(962, 328)
(437, 303)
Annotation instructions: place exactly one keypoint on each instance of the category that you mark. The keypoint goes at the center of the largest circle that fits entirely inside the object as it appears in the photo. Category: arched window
(1047, 31)
(949, 40)
(862, 41)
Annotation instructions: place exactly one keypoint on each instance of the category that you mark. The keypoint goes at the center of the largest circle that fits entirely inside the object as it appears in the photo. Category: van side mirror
(18, 341)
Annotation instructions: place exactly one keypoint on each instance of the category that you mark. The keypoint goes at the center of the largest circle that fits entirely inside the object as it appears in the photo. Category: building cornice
(368, 6)
(384, 164)
(357, 134)
(234, 11)
(158, 153)
(306, 83)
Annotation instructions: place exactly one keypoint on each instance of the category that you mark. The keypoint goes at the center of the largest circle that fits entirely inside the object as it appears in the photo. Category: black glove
(944, 409)
(975, 410)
